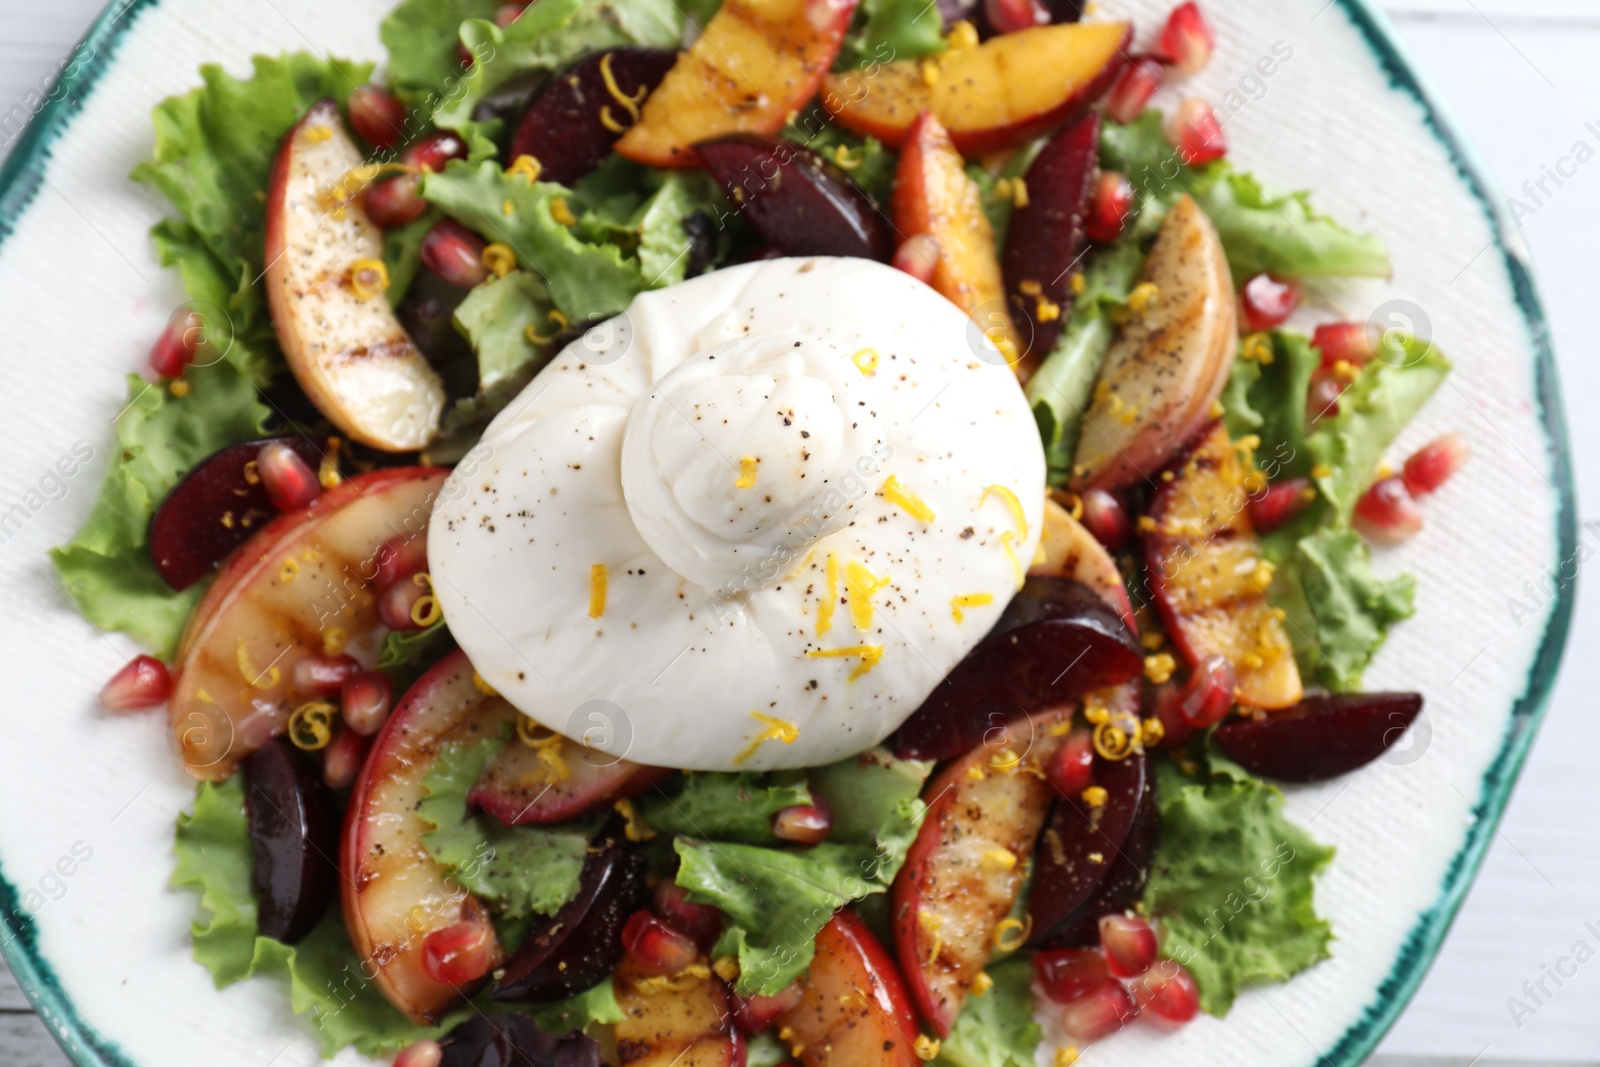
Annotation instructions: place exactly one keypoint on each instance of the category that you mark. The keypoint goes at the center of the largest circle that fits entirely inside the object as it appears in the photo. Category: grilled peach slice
(1008, 90)
(934, 195)
(853, 1007)
(302, 586)
(1168, 364)
(757, 62)
(325, 286)
(683, 1020)
(968, 863)
(1208, 578)
(1068, 550)
(394, 894)
(519, 789)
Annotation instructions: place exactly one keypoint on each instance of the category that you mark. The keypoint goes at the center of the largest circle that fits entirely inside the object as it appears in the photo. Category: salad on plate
(789, 531)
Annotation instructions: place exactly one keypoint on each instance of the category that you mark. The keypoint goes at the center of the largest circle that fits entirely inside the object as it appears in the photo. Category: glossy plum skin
(294, 832)
(1321, 737)
(582, 943)
(795, 200)
(1071, 889)
(563, 128)
(1046, 237)
(513, 1040)
(215, 509)
(1057, 640)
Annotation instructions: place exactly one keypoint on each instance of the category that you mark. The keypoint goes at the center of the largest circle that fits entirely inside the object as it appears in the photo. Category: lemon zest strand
(968, 600)
(897, 494)
(598, 578)
(776, 730)
(870, 655)
(860, 584)
(830, 595)
(747, 469)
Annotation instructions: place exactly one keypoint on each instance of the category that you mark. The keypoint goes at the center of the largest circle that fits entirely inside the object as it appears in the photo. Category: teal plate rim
(23, 173)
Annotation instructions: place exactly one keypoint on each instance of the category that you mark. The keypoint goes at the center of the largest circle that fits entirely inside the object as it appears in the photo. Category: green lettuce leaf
(666, 249)
(996, 1029)
(1339, 610)
(725, 807)
(106, 568)
(765, 1050)
(1059, 391)
(884, 31)
(521, 870)
(496, 316)
(1268, 399)
(1261, 230)
(586, 280)
(1386, 394)
(776, 899)
(325, 979)
(593, 1007)
(1232, 883)
(423, 39)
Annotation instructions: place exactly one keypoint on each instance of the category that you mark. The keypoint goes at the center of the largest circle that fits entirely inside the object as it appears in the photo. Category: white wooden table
(1523, 76)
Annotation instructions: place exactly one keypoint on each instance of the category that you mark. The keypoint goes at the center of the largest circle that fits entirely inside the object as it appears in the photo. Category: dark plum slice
(565, 127)
(1123, 883)
(1057, 640)
(1045, 239)
(294, 830)
(1080, 845)
(795, 200)
(582, 943)
(511, 1039)
(515, 787)
(215, 509)
(1320, 737)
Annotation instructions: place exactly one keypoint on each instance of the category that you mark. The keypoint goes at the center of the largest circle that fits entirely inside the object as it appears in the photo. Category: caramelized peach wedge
(991, 96)
(756, 63)
(1208, 576)
(934, 195)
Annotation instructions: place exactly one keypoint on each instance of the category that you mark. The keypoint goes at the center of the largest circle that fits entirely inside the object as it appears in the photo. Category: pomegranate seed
(455, 254)
(342, 759)
(290, 483)
(1129, 944)
(459, 953)
(1433, 464)
(656, 947)
(1274, 508)
(396, 201)
(143, 683)
(1165, 703)
(1009, 16)
(508, 14)
(1322, 397)
(757, 1013)
(701, 922)
(1067, 974)
(1386, 513)
(1071, 769)
(174, 349)
(1168, 992)
(420, 1054)
(365, 702)
(1130, 94)
(1188, 39)
(432, 151)
(738, 1050)
(1109, 207)
(377, 115)
(1101, 1012)
(1195, 132)
(395, 606)
(1208, 694)
(1347, 342)
(1267, 302)
(1106, 518)
(804, 824)
(918, 257)
(324, 676)
(399, 557)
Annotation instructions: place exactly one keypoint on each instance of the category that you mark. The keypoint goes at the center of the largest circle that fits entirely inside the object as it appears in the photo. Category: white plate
(87, 801)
